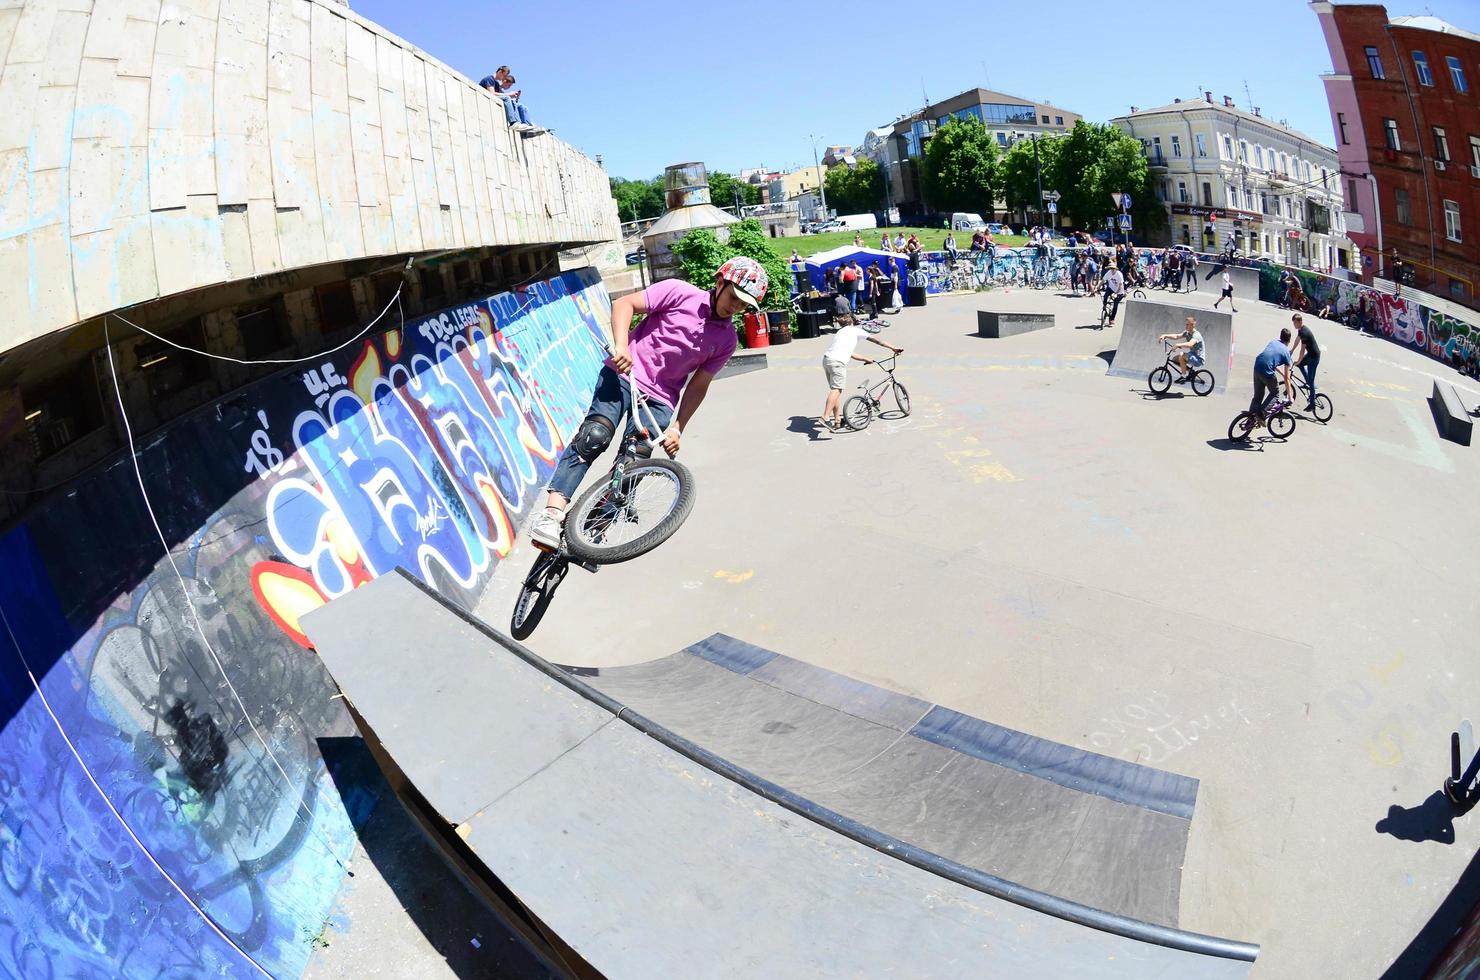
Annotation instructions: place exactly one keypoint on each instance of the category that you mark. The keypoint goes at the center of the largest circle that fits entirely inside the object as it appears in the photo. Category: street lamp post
(821, 182)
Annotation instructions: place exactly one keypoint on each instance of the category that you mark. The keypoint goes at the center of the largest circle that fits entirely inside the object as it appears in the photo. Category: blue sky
(744, 84)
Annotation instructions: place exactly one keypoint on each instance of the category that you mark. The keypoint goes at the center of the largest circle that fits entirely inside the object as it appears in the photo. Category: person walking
(1227, 292)
(849, 288)
(1189, 264)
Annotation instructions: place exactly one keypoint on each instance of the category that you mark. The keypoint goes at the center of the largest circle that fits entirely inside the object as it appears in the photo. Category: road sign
(1053, 208)
(1116, 196)
(1125, 202)
(1125, 222)
(1051, 195)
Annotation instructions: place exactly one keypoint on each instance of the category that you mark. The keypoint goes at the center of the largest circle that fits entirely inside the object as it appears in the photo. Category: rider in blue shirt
(1273, 360)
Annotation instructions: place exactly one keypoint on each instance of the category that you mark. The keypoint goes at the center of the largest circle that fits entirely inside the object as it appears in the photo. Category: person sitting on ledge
(501, 84)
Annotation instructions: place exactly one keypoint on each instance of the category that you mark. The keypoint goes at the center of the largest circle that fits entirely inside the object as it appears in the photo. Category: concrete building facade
(1226, 174)
(1406, 114)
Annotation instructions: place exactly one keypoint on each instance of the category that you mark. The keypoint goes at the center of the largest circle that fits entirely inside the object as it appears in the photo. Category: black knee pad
(592, 438)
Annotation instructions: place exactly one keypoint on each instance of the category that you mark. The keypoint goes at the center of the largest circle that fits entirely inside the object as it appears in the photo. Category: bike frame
(872, 392)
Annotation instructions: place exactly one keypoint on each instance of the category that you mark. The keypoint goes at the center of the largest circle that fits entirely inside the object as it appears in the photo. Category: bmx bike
(639, 504)
(1160, 379)
(1322, 409)
(1275, 416)
(868, 404)
(1105, 307)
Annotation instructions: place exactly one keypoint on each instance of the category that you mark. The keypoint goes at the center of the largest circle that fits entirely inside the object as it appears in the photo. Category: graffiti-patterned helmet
(749, 279)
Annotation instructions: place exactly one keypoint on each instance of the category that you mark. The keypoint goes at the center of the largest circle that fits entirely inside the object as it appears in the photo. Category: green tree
(638, 198)
(1095, 160)
(1019, 173)
(701, 253)
(856, 190)
(722, 188)
(958, 171)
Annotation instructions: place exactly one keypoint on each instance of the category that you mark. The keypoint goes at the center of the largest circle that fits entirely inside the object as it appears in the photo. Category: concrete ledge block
(990, 323)
(1450, 414)
(743, 362)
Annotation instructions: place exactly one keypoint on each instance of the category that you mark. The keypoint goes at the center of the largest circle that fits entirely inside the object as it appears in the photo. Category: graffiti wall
(1397, 318)
(165, 810)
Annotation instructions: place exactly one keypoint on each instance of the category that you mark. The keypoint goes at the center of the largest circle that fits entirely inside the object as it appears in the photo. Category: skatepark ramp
(637, 851)
(1144, 320)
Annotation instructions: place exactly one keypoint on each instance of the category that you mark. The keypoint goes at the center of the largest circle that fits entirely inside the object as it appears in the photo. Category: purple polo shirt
(679, 335)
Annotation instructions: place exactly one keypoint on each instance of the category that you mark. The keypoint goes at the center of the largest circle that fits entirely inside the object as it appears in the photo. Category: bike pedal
(588, 566)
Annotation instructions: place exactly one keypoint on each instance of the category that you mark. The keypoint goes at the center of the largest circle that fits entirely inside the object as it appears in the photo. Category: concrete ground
(1054, 550)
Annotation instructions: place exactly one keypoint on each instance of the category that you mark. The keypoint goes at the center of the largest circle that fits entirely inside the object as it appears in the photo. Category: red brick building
(1406, 115)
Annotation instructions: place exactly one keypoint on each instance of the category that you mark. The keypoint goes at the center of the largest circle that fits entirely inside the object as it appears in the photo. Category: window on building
(63, 409)
(1441, 144)
(1457, 288)
(1351, 198)
(1374, 63)
(1160, 193)
(1404, 206)
(1243, 151)
(1045, 120)
(1232, 194)
(1207, 194)
(1475, 154)
(1390, 129)
(1227, 147)
(1421, 68)
(1001, 138)
(1263, 203)
(1457, 74)
(1058, 120)
(1176, 146)
(1259, 156)
(1156, 145)
(1167, 196)
(264, 330)
(1202, 145)
(1290, 208)
(336, 307)
(1182, 191)
(1451, 221)
(170, 370)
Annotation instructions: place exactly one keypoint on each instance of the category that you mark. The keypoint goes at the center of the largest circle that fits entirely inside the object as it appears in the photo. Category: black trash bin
(809, 324)
(916, 296)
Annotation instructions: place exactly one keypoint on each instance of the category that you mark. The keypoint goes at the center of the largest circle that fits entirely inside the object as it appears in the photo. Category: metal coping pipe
(973, 878)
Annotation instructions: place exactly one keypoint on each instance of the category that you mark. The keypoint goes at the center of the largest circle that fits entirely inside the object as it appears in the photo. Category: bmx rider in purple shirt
(685, 337)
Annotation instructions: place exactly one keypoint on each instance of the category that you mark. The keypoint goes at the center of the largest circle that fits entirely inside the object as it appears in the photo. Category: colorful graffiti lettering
(191, 699)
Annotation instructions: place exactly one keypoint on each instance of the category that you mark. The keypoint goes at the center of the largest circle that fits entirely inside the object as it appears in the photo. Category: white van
(966, 221)
(858, 222)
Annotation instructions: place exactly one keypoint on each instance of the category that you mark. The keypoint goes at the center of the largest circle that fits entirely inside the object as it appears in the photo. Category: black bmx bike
(639, 504)
(1275, 416)
(1160, 379)
(1321, 409)
(868, 404)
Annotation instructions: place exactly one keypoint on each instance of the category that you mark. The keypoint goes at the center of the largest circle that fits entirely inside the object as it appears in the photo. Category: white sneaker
(545, 534)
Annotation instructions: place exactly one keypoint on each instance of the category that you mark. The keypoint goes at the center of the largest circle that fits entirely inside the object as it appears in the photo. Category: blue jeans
(515, 112)
(612, 400)
(1308, 368)
(853, 298)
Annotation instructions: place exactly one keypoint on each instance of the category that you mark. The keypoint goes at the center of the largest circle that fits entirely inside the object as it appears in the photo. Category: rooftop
(1188, 105)
(1426, 23)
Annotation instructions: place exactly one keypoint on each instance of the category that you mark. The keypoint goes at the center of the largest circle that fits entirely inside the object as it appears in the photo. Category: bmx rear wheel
(1240, 427)
(1160, 380)
(1323, 409)
(605, 527)
(535, 594)
(1202, 382)
(1281, 425)
(858, 413)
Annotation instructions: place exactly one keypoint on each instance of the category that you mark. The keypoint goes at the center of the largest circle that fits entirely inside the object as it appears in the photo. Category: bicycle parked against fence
(868, 404)
(637, 506)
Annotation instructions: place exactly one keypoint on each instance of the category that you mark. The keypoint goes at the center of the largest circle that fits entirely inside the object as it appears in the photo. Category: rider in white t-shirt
(835, 365)
(1114, 286)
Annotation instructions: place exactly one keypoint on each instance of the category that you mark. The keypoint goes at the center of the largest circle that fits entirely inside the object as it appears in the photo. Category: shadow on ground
(1448, 919)
(1433, 819)
(465, 937)
(807, 425)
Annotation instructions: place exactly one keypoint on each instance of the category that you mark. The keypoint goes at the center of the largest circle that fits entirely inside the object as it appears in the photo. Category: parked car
(966, 221)
(638, 257)
(997, 228)
(833, 225)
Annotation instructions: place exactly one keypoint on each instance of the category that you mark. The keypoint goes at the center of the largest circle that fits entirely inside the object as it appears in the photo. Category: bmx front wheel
(607, 525)
(535, 594)
(858, 413)
(1323, 409)
(1160, 380)
(1240, 427)
(902, 400)
(1138, 294)
(1281, 425)
(1202, 382)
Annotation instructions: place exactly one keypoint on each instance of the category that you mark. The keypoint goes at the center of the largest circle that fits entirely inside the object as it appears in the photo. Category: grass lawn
(932, 239)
